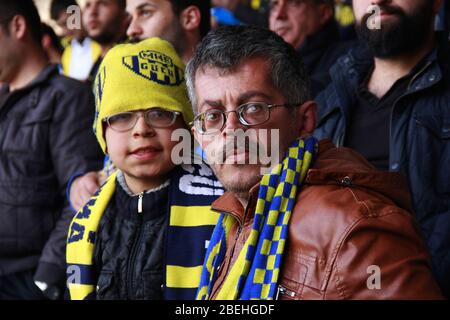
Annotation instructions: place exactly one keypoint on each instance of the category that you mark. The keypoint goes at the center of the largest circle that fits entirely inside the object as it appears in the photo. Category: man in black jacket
(46, 136)
(309, 26)
(390, 101)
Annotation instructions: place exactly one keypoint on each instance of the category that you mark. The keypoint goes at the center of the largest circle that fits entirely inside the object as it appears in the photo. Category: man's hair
(205, 11)
(25, 8)
(122, 4)
(59, 6)
(228, 46)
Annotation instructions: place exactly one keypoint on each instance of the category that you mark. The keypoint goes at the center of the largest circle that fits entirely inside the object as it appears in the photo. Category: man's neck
(192, 40)
(105, 48)
(242, 198)
(33, 64)
(388, 70)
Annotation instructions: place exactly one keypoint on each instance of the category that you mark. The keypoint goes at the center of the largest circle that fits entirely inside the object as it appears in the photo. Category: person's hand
(83, 188)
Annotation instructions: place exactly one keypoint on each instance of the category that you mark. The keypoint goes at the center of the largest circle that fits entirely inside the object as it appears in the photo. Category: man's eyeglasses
(249, 114)
(155, 117)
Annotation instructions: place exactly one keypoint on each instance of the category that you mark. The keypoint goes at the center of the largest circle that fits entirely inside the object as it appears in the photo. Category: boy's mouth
(145, 153)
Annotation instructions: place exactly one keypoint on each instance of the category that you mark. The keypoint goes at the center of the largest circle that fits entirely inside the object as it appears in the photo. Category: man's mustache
(230, 147)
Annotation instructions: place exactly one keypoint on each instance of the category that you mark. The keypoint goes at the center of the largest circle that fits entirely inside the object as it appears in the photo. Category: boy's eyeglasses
(155, 117)
(249, 114)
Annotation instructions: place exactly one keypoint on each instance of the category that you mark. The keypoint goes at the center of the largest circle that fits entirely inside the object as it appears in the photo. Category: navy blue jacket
(419, 139)
(45, 137)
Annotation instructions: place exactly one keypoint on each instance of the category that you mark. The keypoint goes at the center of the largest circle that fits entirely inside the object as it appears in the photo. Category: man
(309, 26)
(183, 24)
(106, 22)
(45, 125)
(347, 224)
(390, 101)
(81, 52)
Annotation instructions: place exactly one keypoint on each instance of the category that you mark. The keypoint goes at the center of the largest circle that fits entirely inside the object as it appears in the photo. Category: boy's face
(143, 153)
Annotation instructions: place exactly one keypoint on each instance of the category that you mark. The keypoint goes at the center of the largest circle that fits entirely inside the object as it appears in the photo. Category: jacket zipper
(134, 249)
(284, 291)
(141, 195)
(395, 104)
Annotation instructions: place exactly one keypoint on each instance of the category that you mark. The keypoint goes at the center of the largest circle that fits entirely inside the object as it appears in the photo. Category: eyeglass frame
(238, 112)
(141, 114)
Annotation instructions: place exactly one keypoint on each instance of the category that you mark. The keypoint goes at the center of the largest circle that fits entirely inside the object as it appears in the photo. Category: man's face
(153, 18)
(392, 27)
(294, 20)
(103, 20)
(250, 82)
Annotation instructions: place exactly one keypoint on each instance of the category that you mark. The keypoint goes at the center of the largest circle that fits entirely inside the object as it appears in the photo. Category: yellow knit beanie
(140, 76)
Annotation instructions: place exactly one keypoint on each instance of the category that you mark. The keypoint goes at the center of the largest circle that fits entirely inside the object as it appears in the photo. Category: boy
(143, 235)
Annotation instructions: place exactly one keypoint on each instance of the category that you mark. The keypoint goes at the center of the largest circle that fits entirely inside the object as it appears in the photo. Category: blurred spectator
(52, 45)
(59, 13)
(390, 101)
(310, 27)
(46, 129)
(81, 52)
(106, 22)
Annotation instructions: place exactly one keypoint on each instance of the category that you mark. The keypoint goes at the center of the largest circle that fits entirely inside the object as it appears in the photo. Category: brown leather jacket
(350, 227)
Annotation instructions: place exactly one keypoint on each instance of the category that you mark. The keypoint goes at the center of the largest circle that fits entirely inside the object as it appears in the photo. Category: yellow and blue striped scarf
(254, 275)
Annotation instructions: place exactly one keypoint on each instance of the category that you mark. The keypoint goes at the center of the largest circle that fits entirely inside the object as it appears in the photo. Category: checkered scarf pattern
(254, 275)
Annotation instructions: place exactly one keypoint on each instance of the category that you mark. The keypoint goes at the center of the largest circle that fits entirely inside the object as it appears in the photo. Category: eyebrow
(145, 4)
(247, 96)
(243, 98)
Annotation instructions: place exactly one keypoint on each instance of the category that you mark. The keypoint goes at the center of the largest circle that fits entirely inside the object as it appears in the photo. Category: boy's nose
(142, 128)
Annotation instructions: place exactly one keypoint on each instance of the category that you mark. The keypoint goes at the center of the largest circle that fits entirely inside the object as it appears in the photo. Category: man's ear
(18, 27)
(46, 41)
(190, 18)
(325, 13)
(306, 115)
